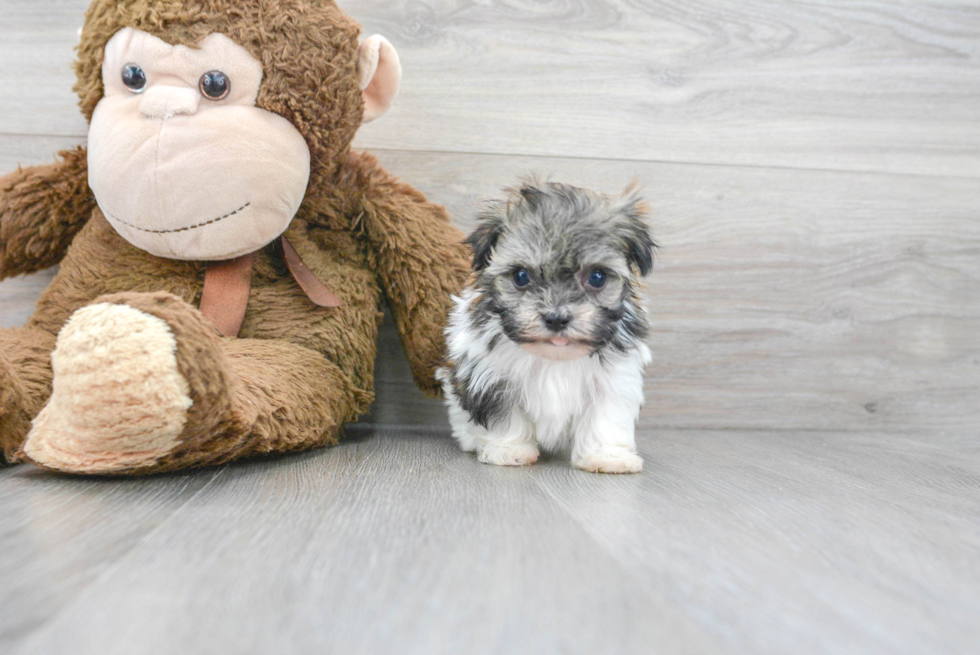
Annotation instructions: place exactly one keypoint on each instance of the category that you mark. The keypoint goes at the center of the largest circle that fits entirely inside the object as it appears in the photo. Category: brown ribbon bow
(227, 285)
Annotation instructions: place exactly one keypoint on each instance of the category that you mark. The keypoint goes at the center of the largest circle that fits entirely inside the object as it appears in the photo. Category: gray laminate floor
(812, 480)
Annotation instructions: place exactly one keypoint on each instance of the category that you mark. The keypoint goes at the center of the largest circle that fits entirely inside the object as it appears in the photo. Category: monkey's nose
(556, 321)
(169, 101)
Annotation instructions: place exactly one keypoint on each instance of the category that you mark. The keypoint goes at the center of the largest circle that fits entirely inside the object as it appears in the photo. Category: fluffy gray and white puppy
(546, 342)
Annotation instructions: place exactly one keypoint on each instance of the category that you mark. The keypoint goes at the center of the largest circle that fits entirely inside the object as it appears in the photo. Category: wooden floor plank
(19, 295)
(393, 544)
(36, 77)
(728, 542)
(880, 86)
(783, 542)
(59, 535)
(780, 300)
(19, 150)
(784, 299)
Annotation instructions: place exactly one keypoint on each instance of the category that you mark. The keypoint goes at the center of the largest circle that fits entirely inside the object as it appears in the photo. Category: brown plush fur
(25, 382)
(41, 209)
(297, 372)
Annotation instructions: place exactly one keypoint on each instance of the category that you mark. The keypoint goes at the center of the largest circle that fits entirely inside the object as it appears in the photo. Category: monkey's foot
(119, 400)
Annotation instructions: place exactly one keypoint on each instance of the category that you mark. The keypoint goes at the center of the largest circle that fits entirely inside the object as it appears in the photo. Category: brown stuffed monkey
(224, 254)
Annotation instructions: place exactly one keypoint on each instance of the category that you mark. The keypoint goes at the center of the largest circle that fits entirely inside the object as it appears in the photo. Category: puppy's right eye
(134, 78)
(521, 278)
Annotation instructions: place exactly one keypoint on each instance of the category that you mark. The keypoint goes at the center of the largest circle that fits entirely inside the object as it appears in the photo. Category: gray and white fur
(546, 343)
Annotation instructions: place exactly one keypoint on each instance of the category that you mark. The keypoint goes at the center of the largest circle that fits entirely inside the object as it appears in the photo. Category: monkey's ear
(484, 238)
(379, 73)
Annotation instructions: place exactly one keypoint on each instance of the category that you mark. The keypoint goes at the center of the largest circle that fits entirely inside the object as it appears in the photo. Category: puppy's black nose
(556, 322)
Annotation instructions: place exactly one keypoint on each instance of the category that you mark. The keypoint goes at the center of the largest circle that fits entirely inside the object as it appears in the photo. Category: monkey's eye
(215, 85)
(597, 278)
(134, 78)
(521, 278)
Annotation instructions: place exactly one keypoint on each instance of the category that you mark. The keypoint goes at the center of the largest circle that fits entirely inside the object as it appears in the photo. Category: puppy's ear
(638, 244)
(484, 238)
(532, 194)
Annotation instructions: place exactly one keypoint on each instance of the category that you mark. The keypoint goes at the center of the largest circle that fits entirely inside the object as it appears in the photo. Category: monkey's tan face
(182, 162)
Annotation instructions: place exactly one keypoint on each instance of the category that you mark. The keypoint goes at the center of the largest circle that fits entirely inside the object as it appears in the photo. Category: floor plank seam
(395, 427)
(663, 162)
(22, 135)
(890, 429)
(643, 583)
(674, 162)
(894, 430)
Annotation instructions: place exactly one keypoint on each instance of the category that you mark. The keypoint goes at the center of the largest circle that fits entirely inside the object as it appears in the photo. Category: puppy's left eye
(597, 279)
(521, 278)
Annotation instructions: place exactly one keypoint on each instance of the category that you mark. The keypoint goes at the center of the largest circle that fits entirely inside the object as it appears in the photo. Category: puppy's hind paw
(509, 455)
(619, 460)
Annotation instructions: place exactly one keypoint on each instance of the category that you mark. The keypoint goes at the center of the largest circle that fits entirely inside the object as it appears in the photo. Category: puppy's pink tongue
(559, 341)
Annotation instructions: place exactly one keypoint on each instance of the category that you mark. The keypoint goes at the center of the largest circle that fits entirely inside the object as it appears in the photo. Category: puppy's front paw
(509, 455)
(618, 460)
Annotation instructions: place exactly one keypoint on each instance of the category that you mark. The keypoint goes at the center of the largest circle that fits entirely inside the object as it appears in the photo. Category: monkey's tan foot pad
(119, 401)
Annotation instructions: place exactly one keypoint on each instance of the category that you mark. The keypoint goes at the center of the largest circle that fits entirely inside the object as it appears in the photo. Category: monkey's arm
(421, 261)
(41, 209)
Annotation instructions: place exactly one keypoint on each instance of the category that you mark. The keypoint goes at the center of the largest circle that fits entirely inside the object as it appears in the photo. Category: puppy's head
(560, 267)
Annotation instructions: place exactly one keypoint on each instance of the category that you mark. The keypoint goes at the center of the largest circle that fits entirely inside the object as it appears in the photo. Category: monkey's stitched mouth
(183, 229)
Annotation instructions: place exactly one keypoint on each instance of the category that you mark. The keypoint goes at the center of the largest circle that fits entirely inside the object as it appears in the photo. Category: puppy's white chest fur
(554, 395)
